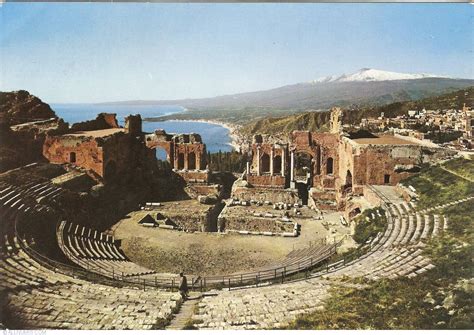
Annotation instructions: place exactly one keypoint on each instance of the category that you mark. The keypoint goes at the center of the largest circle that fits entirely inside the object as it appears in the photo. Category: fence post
(156, 282)
(241, 279)
(256, 280)
(229, 283)
(144, 284)
(172, 285)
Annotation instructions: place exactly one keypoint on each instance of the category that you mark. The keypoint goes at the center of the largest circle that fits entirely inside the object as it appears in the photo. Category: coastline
(234, 134)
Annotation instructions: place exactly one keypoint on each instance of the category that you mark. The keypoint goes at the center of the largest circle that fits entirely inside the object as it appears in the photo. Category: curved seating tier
(96, 251)
(395, 252)
(35, 296)
(399, 250)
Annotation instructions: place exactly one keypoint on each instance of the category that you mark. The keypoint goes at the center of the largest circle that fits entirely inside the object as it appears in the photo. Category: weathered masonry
(99, 146)
(326, 168)
(185, 152)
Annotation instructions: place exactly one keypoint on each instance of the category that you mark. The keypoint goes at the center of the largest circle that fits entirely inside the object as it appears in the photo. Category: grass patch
(461, 166)
(441, 298)
(436, 186)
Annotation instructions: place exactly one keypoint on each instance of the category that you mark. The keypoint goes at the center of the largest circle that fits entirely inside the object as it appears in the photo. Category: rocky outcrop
(21, 107)
(24, 122)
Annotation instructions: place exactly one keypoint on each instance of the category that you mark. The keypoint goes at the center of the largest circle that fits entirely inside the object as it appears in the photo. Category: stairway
(185, 312)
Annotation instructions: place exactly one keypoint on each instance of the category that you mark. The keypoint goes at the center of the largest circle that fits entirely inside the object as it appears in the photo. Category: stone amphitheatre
(94, 231)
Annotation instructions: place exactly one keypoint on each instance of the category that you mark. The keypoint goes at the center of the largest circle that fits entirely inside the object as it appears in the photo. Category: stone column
(292, 166)
(283, 162)
(186, 158)
(258, 161)
(198, 161)
(271, 162)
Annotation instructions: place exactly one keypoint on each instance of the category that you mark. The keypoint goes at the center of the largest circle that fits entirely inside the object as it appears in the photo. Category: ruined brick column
(198, 161)
(283, 162)
(258, 161)
(292, 166)
(271, 161)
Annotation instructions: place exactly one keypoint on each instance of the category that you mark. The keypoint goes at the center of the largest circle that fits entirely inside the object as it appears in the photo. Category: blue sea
(215, 136)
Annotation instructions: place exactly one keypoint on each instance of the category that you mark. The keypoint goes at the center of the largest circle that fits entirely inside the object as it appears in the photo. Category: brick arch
(303, 159)
(277, 164)
(265, 161)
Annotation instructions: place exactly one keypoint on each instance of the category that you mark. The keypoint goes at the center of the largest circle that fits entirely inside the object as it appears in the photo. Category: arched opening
(348, 184)
(110, 170)
(277, 164)
(72, 157)
(180, 161)
(329, 166)
(192, 161)
(303, 164)
(265, 161)
(161, 154)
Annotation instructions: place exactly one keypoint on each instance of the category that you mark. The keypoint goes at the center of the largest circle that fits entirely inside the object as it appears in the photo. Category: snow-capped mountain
(366, 87)
(367, 74)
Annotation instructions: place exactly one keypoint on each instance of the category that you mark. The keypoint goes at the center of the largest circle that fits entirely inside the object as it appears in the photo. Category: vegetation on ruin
(441, 298)
(369, 224)
(441, 184)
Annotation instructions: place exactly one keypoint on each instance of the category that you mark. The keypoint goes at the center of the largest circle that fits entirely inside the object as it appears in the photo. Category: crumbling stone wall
(253, 224)
(106, 151)
(184, 151)
(84, 151)
(380, 164)
(102, 121)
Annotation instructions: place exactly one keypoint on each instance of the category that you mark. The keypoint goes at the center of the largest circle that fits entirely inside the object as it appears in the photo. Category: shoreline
(235, 137)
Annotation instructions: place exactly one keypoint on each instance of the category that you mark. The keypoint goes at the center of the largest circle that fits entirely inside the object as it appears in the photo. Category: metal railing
(108, 276)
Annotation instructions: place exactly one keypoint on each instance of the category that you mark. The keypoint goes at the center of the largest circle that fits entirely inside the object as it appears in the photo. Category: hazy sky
(90, 52)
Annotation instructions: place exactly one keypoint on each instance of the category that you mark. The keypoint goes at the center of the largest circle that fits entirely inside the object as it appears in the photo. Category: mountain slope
(367, 74)
(314, 121)
(366, 87)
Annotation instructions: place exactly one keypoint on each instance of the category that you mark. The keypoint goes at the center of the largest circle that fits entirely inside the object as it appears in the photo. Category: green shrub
(367, 227)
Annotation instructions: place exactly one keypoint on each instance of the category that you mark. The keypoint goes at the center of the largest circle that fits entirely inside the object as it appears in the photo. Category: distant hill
(314, 121)
(367, 87)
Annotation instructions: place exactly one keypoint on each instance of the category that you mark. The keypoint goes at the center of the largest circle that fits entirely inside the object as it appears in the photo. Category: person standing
(183, 285)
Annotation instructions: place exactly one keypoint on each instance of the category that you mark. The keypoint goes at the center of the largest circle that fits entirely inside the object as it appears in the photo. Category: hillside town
(452, 128)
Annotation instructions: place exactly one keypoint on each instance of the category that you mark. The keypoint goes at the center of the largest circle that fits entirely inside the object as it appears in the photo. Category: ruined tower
(335, 126)
(133, 125)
